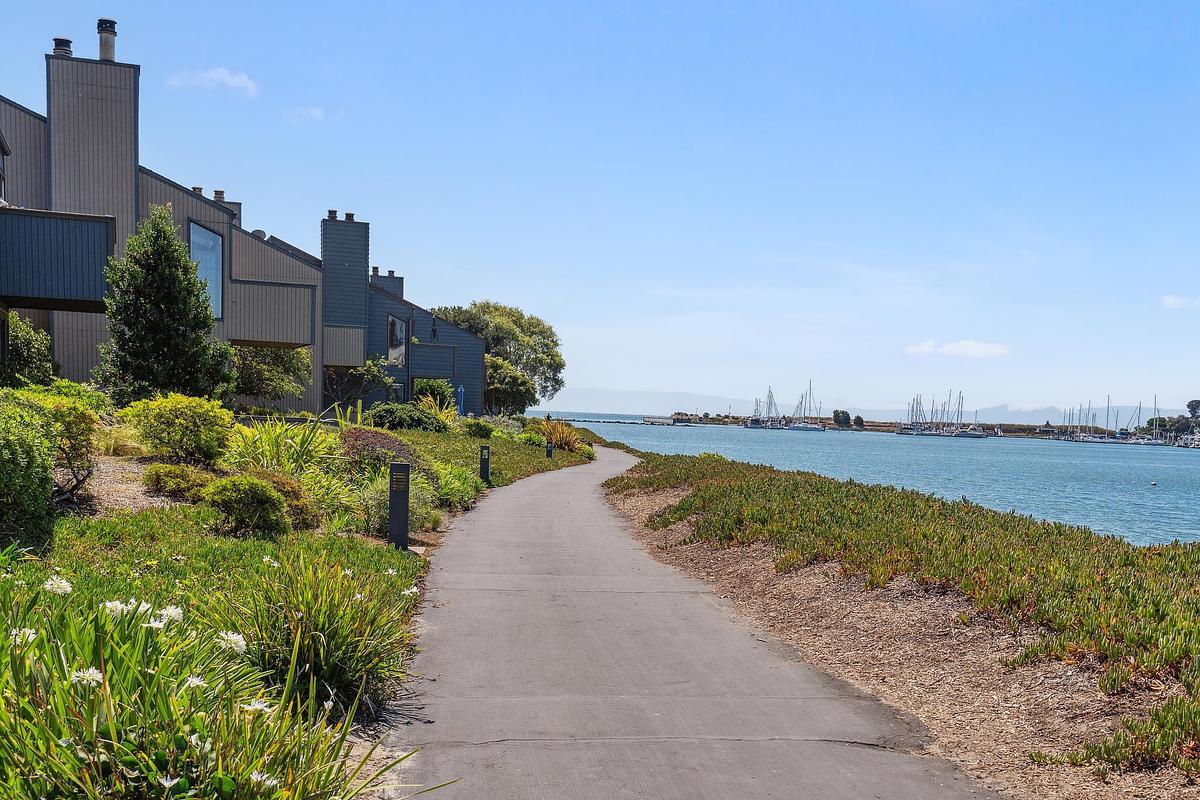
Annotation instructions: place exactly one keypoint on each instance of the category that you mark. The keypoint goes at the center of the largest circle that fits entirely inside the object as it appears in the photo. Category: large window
(397, 339)
(208, 253)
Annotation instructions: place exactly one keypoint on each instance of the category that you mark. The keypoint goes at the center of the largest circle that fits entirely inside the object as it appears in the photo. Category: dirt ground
(116, 485)
(929, 654)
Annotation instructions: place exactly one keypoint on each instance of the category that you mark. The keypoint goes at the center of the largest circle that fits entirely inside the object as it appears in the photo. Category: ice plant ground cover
(1135, 611)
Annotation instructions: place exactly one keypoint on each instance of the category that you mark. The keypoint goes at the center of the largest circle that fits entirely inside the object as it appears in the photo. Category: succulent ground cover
(1133, 610)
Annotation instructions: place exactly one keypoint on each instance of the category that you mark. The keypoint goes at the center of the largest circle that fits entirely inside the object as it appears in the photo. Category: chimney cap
(218, 194)
(106, 25)
(331, 214)
(259, 232)
(198, 189)
(391, 273)
(374, 270)
(62, 46)
(349, 216)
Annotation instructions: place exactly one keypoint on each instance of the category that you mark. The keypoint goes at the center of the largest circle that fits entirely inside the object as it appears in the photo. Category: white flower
(195, 740)
(390, 572)
(328, 705)
(347, 572)
(194, 682)
(358, 595)
(168, 782)
(171, 613)
(22, 635)
(142, 607)
(88, 677)
(65, 743)
(266, 780)
(269, 560)
(411, 590)
(57, 584)
(233, 641)
(257, 704)
(158, 623)
(115, 608)
(178, 557)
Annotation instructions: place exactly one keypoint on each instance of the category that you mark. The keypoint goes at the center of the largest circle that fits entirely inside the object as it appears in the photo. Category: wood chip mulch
(929, 654)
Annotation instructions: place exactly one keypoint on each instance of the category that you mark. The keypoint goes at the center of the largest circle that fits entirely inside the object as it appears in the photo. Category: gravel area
(116, 485)
(930, 654)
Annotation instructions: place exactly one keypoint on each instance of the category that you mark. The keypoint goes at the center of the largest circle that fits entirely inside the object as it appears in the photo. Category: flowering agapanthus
(194, 682)
(57, 584)
(233, 641)
(411, 591)
(22, 635)
(263, 779)
(171, 613)
(87, 677)
(257, 704)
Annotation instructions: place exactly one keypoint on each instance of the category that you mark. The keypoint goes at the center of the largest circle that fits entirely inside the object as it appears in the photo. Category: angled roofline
(213, 203)
(296, 252)
(20, 107)
(392, 295)
(427, 311)
(288, 251)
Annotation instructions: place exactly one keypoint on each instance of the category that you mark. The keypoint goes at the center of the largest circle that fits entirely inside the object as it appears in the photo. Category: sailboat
(801, 416)
(973, 431)
(755, 420)
(773, 419)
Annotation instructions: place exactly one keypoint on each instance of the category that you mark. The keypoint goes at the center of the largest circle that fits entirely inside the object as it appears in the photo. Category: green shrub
(189, 429)
(290, 448)
(350, 630)
(302, 512)
(532, 438)
(123, 700)
(439, 389)
(26, 470)
(374, 498)
(30, 356)
(457, 487)
(404, 416)
(333, 495)
(478, 428)
(247, 505)
(586, 451)
(96, 400)
(71, 426)
(177, 481)
(563, 435)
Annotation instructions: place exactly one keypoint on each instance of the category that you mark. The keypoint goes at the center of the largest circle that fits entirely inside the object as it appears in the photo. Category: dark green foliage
(186, 428)
(159, 320)
(478, 428)
(247, 505)
(858, 421)
(456, 486)
(30, 358)
(1193, 407)
(527, 342)
(100, 403)
(301, 511)
(437, 388)
(26, 471)
(271, 373)
(404, 416)
(347, 385)
(367, 450)
(71, 426)
(177, 481)
(841, 418)
(508, 389)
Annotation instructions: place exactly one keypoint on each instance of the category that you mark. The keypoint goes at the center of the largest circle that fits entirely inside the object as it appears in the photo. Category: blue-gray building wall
(345, 257)
(51, 260)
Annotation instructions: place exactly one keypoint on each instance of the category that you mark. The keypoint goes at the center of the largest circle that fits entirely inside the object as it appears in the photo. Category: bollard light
(398, 484)
(485, 464)
(549, 450)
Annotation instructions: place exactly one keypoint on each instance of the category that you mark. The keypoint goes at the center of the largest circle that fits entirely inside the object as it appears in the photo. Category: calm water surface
(1110, 488)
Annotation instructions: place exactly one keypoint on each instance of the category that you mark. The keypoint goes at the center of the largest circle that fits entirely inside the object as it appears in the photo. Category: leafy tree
(346, 385)
(271, 372)
(858, 421)
(30, 358)
(508, 390)
(160, 321)
(437, 388)
(1193, 408)
(841, 418)
(526, 342)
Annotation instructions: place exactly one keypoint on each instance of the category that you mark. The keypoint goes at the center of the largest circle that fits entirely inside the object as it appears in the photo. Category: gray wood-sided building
(72, 191)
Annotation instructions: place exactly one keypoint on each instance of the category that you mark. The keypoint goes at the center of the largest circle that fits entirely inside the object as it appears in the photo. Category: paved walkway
(561, 661)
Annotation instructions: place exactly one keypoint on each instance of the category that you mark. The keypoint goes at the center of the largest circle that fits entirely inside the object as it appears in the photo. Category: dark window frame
(219, 312)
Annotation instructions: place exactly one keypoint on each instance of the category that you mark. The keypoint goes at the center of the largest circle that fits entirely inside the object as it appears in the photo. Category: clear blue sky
(885, 197)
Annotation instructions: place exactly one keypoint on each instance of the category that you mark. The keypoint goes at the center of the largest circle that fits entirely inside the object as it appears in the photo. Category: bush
(586, 451)
(30, 357)
(26, 470)
(177, 481)
(532, 438)
(71, 426)
(189, 429)
(301, 511)
(247, 505)
(439, 389)
(349, 630)
(293, 449)
(434, 407)
(100, 403)
(457, 487)
(123, 700)
(374, 498)
(367, 450)
(404, 416)
(563, 435)
(478, 428)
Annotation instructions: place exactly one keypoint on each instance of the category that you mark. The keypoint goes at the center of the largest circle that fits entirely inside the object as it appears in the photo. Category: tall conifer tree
(160, 321)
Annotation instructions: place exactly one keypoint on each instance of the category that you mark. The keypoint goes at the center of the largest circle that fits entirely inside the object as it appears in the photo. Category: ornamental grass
(1134, 610)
